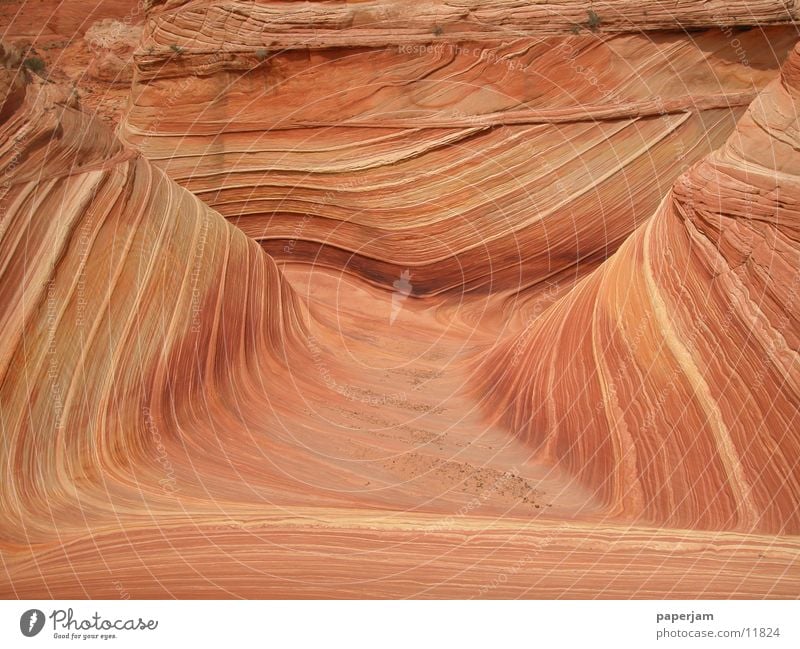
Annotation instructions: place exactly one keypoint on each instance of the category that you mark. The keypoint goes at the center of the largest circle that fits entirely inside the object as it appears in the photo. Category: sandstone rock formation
(485, 154)
(669, 380)
(175, 374)
(376, 22)
(116, 285)
(44, 20)
(87, 46)
(339, 314)
(112, 43)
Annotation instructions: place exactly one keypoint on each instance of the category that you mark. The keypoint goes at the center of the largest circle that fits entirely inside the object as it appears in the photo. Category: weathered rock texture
(669, 380)
(374, 23)
(182, 417)
(85, 45)
(468, 146)
(159, 377)
(123, 296)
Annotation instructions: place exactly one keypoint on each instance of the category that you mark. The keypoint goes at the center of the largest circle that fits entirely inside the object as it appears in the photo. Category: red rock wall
(472, 146)
(668, 380)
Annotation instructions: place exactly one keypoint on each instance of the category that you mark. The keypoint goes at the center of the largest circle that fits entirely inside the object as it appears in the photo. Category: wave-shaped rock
(668, 380)
(182, 419)
(122, 295)
(487, 157)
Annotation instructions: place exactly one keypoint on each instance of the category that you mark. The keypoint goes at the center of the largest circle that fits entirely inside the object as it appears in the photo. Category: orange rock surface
(668, 380)
(478, 164)
(338, 314)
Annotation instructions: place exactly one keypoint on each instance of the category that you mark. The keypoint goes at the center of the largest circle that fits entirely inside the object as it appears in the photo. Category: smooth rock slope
(669, 379)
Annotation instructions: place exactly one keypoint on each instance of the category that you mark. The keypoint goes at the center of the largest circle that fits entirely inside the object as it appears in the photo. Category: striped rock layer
(123, 297)
(288, 25)
(182, 418)
(668, 380)
(164, 393)
(480, 146)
